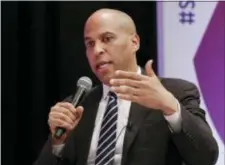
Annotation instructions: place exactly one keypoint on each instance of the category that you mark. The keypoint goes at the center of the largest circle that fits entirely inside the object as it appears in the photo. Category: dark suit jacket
(149, 141)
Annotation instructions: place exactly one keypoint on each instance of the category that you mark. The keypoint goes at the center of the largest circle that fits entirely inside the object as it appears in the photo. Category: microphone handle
(59, 132)
(78, 96)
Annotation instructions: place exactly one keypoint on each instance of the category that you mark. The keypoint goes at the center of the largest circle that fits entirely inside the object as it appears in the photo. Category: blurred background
(43, 56)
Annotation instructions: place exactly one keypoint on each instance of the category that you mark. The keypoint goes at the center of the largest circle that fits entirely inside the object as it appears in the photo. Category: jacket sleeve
(46, 156)
(195, 141)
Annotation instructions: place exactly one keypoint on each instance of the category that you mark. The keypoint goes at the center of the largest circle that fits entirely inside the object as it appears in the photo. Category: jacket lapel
(87, 123)
(136, 117)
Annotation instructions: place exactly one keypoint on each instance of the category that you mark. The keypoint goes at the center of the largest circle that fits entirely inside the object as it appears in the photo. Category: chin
(105, 79)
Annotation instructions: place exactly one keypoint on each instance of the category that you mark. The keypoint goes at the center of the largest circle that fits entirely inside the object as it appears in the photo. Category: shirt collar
(106, 88)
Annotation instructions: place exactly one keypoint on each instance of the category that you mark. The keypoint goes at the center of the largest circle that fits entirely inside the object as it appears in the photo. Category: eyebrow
(87, 38)
(105, 33)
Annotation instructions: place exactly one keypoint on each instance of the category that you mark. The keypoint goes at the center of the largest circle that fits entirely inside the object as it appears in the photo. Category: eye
(90, 43)
(107, 39)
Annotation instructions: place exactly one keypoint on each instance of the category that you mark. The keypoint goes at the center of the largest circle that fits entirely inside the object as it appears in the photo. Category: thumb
(148, 68)
(79, 112)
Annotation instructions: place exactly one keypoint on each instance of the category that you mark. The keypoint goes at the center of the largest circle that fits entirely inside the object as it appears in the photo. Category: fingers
(128, 86)
(127, 82)
(126, 90)
(64, 115)
(79, 112)
(128, 97)
(56, 122)
(129, 75)
(67, 106)
(148, 68)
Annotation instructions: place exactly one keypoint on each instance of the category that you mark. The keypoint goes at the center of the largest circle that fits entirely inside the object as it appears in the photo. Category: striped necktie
(107, 137)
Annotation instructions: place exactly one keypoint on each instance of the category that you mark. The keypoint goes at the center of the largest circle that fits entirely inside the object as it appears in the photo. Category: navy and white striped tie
(107, 137)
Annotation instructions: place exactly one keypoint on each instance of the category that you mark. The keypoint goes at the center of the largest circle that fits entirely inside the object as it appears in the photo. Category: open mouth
(103, 64)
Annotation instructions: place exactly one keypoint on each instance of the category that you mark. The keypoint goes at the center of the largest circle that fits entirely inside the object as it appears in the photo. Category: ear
(136, 42)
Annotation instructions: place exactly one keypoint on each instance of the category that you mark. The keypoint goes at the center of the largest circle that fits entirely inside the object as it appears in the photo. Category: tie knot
(112, 94)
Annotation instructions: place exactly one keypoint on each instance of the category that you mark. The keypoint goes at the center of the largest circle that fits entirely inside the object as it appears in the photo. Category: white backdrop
(181, 29)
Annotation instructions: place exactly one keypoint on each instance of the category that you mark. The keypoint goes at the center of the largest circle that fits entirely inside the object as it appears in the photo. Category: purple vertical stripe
(209, 63)
(160, 38)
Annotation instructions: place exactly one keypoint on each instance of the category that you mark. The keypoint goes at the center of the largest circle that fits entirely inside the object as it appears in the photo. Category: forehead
(99, 26)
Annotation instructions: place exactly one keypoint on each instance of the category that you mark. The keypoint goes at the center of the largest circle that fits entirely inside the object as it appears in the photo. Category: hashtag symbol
(187, 17)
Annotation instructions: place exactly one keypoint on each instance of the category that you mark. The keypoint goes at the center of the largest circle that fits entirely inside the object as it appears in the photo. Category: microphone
(128, 127)
(84, 84)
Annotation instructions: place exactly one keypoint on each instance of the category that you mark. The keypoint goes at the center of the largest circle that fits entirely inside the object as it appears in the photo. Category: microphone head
(85, 82)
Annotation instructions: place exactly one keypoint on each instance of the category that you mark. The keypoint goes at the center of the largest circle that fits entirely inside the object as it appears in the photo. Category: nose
(98, 49)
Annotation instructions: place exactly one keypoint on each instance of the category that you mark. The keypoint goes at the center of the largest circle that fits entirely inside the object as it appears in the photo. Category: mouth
(103, 64)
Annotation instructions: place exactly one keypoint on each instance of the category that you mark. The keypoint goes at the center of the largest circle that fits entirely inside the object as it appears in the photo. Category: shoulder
(180, 87)
(177, 83)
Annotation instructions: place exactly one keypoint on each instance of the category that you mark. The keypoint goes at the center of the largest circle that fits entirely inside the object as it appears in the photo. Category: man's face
(108, 48)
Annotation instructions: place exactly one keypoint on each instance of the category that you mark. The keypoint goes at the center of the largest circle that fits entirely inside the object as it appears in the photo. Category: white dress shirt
(123, 114)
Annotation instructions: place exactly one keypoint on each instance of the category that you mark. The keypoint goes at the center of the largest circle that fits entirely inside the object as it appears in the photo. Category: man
(134, 117)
